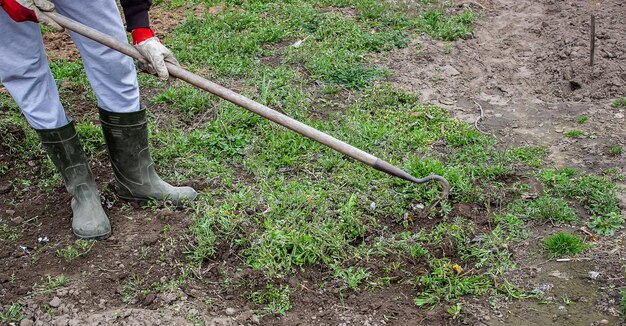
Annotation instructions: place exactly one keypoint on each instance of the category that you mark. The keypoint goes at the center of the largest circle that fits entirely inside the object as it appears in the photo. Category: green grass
(11, 313)
(275, 299)
(616, 150)
(446, 27)
(53, 283)
(619, 103)
(334, 45)
(575, 133)
(598, 195)
(582, 119)
(444, 283)
(545, 209)
(563, 244)
(72, 252)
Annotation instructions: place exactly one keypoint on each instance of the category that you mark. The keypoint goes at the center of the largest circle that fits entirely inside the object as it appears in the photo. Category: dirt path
(520, 67)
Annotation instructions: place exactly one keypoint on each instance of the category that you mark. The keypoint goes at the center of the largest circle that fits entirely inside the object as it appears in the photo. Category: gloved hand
(30, 10)
(154, 51)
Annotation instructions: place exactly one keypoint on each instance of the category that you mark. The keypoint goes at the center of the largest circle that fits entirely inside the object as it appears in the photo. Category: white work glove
(157, 55)
(31, 10)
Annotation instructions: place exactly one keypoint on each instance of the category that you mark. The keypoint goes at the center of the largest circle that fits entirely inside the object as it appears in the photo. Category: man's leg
(124, 124)
(111, 74)
(25, 73)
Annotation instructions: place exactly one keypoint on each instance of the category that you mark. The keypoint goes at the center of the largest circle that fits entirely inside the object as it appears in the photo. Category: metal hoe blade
(253, 106)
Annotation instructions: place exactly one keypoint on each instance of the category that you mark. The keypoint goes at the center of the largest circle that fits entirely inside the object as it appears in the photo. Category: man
(25, 73)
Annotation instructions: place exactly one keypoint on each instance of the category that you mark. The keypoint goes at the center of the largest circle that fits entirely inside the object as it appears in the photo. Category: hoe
(255, 107)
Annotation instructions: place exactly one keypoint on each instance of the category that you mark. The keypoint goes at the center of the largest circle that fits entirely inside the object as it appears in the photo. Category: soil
(526, 67)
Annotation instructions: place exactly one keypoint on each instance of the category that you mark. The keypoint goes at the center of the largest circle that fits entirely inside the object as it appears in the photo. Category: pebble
(17, 220)
(62, 320)
(10, 212)
(55, 302)
(27, 322)
(449, 71)
(230, 311)
(149, 299)
(594, 275)
(604, 322)
(169, 298)
(4, 189)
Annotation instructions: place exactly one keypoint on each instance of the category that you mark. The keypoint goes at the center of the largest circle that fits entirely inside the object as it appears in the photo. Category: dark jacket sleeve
(136, 13)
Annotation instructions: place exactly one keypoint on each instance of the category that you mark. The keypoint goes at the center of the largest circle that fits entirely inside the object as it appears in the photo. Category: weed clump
(445, 283)
(619, 103)
(607, 225)
(447, 27)
(616, 150)
(563, 244)
(545, 209)
(596, 194)
(12, 313)
(71, 252)
(276, 299)
(574, 133)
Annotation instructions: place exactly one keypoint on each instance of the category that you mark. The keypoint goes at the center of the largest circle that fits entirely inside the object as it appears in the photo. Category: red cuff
(141, 34)
(17, 12)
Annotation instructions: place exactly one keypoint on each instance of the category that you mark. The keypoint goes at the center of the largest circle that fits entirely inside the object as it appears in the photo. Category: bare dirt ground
(526, 66)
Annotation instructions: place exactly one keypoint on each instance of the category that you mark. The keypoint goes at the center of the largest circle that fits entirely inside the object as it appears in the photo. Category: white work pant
(25, 73)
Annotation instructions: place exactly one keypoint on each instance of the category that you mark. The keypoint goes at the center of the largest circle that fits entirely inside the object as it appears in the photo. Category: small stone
(446, 101)
(149, 299)
(27, 322)
(619, 116)
(61, 292)
(244, 316)
(449, 71)
(255, 319)
(55, 302)
(62, 320)
(169, 298)
(17, 220)
(230, 311)
(594, 275)
(604, 322)
(5, 189)
(10, 212)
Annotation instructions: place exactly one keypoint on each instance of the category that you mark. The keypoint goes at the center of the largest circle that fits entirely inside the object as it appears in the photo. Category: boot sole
(139, 200)
(97, 238)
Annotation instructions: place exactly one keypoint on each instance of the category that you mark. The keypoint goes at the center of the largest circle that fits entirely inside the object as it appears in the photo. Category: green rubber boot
(62, 145)
(126, 135)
